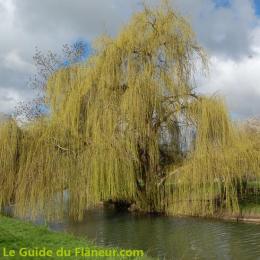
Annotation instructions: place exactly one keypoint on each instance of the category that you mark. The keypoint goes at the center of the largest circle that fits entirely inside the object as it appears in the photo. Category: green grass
(250, 207)
(16, 234)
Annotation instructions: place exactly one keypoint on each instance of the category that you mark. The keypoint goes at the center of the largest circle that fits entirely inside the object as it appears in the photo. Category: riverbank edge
(255, 219)
(246, 216)
(16, 234)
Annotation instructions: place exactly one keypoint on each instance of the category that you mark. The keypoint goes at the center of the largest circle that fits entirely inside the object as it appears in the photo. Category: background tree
(46, 64)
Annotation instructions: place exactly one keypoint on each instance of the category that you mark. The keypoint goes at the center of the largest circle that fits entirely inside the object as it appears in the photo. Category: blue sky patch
(257, 7)
(86, 52)
(222, 3)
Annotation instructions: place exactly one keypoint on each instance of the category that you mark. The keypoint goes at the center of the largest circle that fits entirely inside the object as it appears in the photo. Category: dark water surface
(168, 237)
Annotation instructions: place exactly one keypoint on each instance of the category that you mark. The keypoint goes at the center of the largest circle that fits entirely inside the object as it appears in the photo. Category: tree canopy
(128, 126)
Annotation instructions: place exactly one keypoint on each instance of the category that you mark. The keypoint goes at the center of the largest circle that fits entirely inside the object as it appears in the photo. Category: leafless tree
(46, 64)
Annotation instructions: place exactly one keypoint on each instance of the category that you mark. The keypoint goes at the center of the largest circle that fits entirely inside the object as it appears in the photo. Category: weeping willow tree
(127, 126)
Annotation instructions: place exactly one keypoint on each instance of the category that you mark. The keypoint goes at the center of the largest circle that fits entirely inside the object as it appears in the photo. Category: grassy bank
(250, 209)
(16, 234)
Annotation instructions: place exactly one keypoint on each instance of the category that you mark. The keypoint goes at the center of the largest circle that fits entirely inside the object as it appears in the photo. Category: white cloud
(7, 13)
(9, 98)
(238, 81)
(15, 62)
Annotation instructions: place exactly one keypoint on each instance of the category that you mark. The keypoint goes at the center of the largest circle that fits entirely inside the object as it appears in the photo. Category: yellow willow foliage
(252, 129)
(10, 136)
(214, 175)
(114, 131)
(43, 173)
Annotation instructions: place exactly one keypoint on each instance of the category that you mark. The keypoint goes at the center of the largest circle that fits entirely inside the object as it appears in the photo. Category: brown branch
(168, 176)
(62, 148)
(180, 96)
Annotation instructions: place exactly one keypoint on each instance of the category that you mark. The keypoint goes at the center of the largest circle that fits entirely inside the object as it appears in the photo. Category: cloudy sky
(228, 29)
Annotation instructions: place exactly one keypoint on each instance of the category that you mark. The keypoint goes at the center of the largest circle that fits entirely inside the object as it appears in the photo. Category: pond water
(168, 237)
